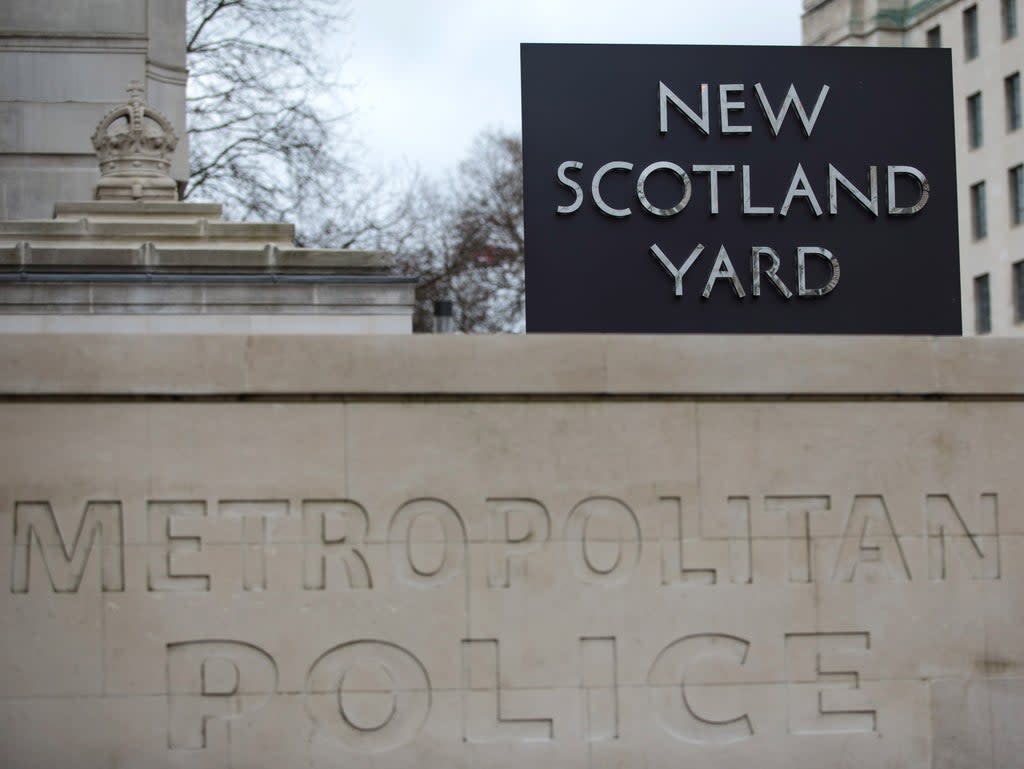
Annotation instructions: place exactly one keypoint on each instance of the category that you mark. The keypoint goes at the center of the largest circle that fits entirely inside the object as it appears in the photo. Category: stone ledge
(514, 366)
(148, 258)
(96, 208)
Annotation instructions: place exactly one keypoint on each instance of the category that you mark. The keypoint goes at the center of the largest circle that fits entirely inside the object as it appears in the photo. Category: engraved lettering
(518, 528)
(214, 681)
(825, 695)
(870, 544)
(603, 536)
(600, 688)
(372, 696)
(256, 535)
(668, 677)
(799, 548)
(727, 544)
(169, 546)
(484, 719)
(427, 542)
(977, 551)
(332, 531)
(101, 524)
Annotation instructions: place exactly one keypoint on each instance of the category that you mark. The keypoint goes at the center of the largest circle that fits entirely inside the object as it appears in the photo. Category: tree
(466, 239)
(260, 143)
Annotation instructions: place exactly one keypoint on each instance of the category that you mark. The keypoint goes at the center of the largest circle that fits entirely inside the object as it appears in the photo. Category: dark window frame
(979, 213)
(972, 45)
(982, 304)
(1018, 291)
(1015, 182)
(1012, 99)
(1009, 19)
(975, 121)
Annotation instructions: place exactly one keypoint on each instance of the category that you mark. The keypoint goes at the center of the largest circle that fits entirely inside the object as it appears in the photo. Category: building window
(1009, 19)
(1011, 87)
(1017, 195)
(971, 32)
(979, 223)
(974, 123)
(1018, 291)
(934, 37)
(982, 305)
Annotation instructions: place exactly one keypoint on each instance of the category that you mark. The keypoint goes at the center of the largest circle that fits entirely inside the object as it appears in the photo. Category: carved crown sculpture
(134, 143)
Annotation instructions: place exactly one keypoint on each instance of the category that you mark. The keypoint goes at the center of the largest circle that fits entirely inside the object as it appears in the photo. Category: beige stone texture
(235, 551)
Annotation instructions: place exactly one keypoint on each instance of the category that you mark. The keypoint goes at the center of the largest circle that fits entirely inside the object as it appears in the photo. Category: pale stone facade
(65, 63)
(987, 258)
(506, 552)
(168, 267)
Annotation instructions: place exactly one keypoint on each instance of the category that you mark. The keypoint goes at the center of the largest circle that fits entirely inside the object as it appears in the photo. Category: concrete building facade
(987, 46)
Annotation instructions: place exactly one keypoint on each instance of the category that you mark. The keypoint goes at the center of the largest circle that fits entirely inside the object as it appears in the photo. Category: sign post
(739, 190)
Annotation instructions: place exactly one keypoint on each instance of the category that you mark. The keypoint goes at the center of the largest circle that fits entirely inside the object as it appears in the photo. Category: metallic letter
(727, 106)
(641, 191)
(713, 171)
(772, 273)
(702, 121)
(677, 274)
(723, 269)
(595, 187)
(895, 210)
(800, 187)
(791, 98)
(871, 204)
(748, 209)
(801, 271)
(571, 185)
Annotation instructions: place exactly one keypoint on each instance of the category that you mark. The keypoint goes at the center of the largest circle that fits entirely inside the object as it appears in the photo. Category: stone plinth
(157, 267)
(484, 552)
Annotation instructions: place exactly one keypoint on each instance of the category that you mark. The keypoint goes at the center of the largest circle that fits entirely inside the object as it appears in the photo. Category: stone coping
(514, 366)
(143, 230)
(149, 258)
(104, 208)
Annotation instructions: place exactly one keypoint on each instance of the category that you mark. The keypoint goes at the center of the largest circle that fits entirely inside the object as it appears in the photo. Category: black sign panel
(739, 189)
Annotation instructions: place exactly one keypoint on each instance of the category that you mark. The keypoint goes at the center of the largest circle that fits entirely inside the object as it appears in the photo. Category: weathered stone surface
(391, 552)
(105, 262)
(65, 64)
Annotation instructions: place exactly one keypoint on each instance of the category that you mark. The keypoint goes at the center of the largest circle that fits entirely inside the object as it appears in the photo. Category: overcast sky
(431, 74)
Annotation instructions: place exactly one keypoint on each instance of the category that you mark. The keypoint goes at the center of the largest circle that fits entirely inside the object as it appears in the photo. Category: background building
(988, 57)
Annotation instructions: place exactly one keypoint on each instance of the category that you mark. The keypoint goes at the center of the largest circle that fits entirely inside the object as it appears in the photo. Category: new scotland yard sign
(739, 189)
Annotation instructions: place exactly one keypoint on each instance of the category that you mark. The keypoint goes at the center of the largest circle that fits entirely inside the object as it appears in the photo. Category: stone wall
(505, 552)
(65, 63)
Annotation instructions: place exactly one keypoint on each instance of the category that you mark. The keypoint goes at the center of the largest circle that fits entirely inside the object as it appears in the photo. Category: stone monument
(65, 63)
(136, 259)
